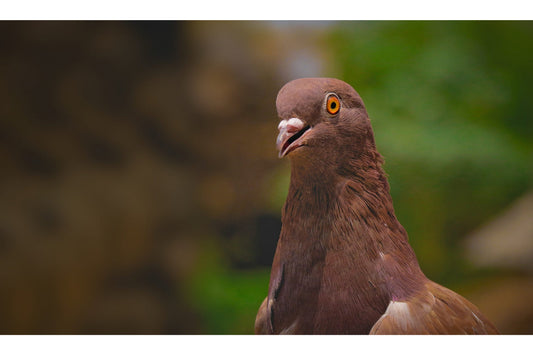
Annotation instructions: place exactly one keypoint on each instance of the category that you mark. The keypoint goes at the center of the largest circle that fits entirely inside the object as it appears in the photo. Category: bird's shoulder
(433, 310)
(262, 320)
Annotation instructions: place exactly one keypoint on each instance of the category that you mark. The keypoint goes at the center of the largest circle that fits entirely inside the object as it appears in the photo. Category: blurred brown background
(141, 191)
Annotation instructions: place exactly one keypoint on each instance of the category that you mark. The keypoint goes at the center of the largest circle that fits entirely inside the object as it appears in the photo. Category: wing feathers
(262, 320)
(435, 310)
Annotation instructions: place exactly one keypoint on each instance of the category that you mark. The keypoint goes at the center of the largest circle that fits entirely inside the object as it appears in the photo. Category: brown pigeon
(343, 264)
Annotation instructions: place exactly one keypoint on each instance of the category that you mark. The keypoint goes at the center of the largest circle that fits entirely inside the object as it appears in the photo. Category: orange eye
(333, 104)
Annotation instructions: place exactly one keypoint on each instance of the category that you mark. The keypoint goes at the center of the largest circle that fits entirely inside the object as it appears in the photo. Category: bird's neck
(349, 212)
(322, 192)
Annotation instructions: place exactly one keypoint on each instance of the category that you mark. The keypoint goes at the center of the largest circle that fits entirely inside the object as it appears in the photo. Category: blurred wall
(125, 148)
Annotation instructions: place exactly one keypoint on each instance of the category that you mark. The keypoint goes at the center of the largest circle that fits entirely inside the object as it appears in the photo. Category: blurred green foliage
(450, 104)
(226, 300)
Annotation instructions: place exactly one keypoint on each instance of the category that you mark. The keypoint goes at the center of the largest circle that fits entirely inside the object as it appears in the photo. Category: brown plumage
(343, 264)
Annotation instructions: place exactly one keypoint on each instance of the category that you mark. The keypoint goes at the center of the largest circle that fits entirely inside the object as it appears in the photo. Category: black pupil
(333, 105)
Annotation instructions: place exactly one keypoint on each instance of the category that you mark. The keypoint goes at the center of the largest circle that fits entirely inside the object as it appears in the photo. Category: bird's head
(322, 121)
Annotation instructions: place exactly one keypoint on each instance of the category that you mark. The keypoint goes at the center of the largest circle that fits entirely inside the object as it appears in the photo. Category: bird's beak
(289, 133)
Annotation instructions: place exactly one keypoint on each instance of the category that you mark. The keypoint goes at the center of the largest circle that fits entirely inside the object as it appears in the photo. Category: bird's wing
(435, 310)
(262, 319)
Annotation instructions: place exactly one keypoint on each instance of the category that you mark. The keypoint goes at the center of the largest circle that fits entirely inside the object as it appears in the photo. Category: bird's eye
(333, 104)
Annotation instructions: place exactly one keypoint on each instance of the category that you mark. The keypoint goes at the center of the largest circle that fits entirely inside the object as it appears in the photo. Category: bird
(343, 263)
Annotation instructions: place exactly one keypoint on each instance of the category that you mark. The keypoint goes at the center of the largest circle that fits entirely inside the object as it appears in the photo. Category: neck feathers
(350, 210)
(359, 190)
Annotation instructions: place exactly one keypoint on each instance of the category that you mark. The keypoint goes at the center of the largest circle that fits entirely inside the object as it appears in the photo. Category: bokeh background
(140, 190)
